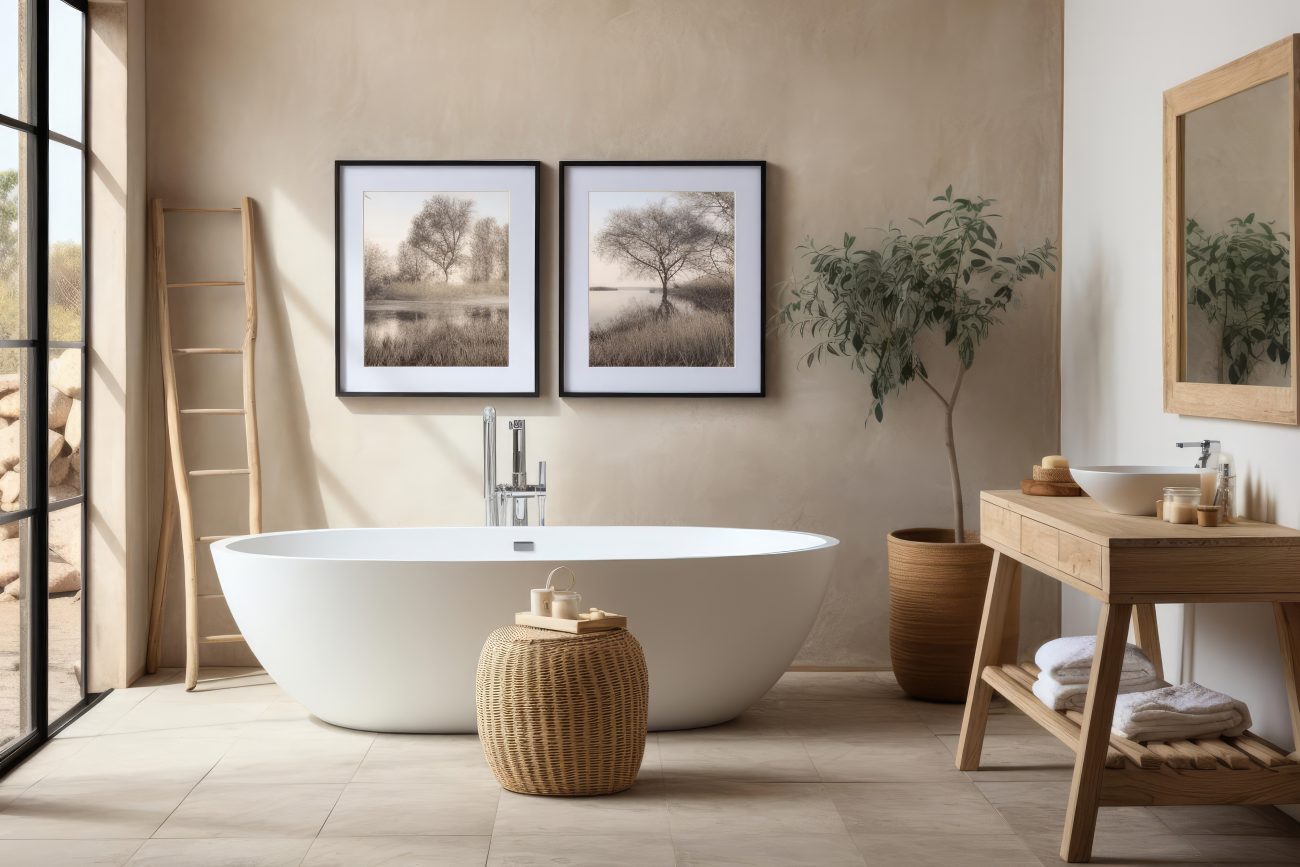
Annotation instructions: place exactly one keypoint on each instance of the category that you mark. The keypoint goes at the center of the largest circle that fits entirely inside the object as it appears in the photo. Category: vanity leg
(1147, 636)
(1287, 615)
(1003, 584)
(1094, 738)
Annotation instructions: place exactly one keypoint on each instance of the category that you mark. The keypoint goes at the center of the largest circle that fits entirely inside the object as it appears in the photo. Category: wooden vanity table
(1129, 564)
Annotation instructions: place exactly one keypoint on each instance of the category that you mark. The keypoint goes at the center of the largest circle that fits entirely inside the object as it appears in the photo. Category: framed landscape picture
(436, 278)
(661, 279)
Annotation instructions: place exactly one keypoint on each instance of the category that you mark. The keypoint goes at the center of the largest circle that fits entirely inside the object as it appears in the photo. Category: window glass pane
(66, 279)
(66, 75)
(65, 610)
(14, 407)
(66, 421)
(15, 212)
(15, 620)
(14, 31)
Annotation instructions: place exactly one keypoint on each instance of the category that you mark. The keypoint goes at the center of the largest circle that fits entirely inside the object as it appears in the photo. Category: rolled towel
(1069, 660)
(1072, 696)
(1179, 712)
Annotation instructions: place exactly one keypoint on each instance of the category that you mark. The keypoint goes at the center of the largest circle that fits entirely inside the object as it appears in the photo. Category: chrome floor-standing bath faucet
(507, 505)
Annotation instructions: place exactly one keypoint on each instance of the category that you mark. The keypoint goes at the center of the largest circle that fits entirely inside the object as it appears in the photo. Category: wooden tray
(578, 627)
(1050, 489)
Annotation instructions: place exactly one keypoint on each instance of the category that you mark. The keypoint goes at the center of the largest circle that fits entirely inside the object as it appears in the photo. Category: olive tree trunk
(950, 442)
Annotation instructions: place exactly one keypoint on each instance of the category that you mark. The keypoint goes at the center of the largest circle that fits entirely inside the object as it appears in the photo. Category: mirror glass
(1237, 239)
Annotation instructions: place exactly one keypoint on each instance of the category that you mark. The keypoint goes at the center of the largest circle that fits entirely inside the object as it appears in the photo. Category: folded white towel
(1071, 696)
(1179, 712)
(1069, 660)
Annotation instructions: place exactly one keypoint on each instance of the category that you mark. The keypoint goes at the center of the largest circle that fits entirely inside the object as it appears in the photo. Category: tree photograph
(661, 279)
(437, 279)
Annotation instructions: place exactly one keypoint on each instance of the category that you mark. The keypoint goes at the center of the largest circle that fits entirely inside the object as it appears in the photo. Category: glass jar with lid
(1181, 503)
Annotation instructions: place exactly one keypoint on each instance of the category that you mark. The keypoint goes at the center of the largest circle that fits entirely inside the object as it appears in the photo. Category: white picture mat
(520, 375)
(745, 376)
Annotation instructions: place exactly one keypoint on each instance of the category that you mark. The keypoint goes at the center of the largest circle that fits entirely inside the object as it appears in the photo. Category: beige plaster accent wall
(117, 555)
(864, 110)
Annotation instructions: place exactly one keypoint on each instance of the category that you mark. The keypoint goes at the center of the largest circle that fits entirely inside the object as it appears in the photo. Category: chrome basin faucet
(1207, 447)
(507, 505)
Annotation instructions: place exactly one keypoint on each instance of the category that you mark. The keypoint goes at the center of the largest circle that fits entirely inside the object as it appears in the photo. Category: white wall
(1119, 58)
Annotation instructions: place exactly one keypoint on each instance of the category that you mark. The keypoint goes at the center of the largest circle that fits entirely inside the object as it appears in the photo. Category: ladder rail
(250, 395)
(166, 539)
(180, 479)
(178, 503)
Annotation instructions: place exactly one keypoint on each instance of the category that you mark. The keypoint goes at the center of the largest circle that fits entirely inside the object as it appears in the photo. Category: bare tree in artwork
(377, 267)
(439, 230)
(483, 250)
(718, 211)
(657, 240)
(501, 239)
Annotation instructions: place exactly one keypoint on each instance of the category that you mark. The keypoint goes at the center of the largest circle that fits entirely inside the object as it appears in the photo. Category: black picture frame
(565, 391)
(339, 167)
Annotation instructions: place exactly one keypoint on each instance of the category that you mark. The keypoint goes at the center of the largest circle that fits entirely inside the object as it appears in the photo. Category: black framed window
(43, 367)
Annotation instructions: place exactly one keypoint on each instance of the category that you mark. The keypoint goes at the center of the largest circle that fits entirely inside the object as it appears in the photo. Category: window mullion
(36, 471)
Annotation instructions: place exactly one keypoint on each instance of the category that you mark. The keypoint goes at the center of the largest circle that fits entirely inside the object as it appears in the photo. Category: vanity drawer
(1039, 541)
(1000, 525)
(1080, 558)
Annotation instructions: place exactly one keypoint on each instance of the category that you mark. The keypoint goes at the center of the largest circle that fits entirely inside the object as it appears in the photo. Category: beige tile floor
(829, 769)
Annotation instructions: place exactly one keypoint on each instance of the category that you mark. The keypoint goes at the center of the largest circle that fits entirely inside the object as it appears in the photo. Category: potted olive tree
(872, 306)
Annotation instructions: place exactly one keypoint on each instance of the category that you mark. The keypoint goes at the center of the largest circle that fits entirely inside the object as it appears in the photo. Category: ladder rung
(205, 283)
(201, 210)
(211, 596)
(241, 472)
(220, 639)
(206, 539)
(208, 350)
(212, 412)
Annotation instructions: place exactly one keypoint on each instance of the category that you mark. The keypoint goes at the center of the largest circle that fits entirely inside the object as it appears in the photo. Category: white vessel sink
(1133, 490)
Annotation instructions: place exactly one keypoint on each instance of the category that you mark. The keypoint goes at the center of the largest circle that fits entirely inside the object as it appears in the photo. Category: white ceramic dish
(1133, 490)
(381, 629)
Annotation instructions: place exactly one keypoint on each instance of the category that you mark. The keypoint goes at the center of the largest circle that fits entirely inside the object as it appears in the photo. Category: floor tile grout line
(134, 852)
(196, 784)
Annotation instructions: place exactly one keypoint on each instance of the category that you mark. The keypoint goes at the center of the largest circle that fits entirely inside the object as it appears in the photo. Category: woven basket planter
(562, 714)
(936, 597)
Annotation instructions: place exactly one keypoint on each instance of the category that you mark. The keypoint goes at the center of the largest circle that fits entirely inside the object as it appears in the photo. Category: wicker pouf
(562, 714)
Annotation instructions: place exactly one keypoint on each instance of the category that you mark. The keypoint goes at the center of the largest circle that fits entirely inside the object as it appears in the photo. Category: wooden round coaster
(1035, 488)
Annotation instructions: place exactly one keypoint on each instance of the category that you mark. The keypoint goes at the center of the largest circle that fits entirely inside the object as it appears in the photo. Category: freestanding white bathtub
(381, 629)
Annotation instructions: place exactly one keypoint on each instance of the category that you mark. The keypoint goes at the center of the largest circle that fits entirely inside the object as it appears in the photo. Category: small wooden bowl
(1208, 516)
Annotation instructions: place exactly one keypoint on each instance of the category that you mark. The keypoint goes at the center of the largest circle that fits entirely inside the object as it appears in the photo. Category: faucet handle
(515, 424)
(541, 475)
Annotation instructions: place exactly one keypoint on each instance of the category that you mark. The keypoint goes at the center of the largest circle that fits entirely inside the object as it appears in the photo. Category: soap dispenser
(1224, 495)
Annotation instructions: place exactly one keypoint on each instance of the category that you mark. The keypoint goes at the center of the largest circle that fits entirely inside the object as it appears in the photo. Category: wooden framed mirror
(1229, 220)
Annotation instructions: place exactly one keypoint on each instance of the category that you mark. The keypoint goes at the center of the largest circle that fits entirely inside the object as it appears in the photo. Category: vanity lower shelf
(1242, 770)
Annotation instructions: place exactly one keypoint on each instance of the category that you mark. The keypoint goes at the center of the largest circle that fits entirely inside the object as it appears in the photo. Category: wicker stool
(562, 714)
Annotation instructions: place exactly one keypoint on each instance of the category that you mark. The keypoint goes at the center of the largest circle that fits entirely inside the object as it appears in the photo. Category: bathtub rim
(228, 545)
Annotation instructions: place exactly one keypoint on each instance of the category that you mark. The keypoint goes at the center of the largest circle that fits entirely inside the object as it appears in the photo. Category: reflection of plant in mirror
(873, 306)
(1240, 278)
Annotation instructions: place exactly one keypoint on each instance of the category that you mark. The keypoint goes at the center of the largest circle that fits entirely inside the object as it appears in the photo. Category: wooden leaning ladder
(177, 498)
